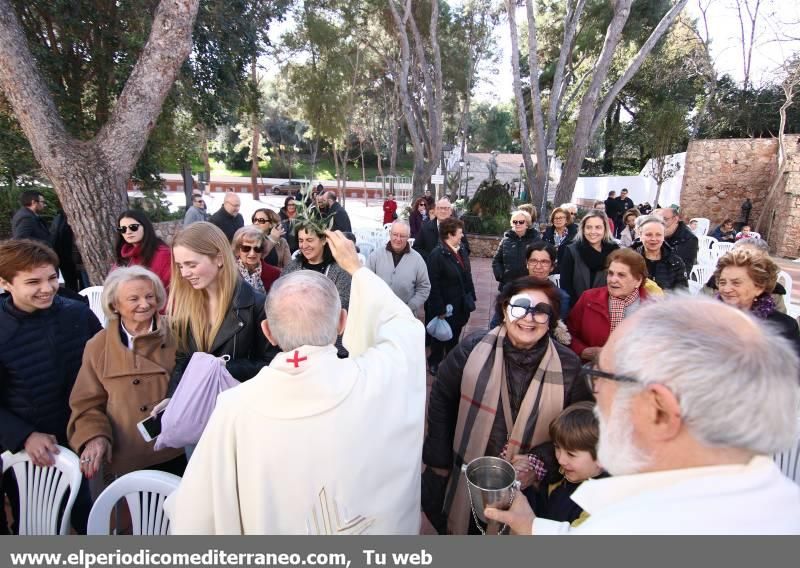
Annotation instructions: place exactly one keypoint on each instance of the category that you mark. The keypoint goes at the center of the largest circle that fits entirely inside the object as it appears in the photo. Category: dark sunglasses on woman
(247, 248)
(133, 227)
(260, 220)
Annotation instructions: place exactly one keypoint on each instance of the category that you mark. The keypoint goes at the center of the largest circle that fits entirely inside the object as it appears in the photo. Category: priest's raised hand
(344, 251)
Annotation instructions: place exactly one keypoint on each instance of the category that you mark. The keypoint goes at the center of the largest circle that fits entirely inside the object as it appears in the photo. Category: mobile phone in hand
(150, 427)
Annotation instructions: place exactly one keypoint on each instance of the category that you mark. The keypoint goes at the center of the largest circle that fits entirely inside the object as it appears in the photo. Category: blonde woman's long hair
(188, 307)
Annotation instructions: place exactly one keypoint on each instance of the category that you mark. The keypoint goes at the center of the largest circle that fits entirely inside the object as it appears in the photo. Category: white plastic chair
(555, 279)
(789, 460)
(145, 492)
(704, 252)
(94, 293)
(42, 491)
(703, 225)
(786, 279)
(366, 248)
(411, 241)
(701, 273)
(720, 249)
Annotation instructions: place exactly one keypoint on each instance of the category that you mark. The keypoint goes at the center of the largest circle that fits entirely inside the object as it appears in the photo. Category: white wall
(641, 188)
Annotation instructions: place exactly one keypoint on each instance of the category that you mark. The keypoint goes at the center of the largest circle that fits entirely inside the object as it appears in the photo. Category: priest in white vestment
(315, 444)
(693, 398)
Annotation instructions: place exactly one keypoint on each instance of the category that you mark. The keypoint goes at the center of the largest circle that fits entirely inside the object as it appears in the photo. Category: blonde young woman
(212, 310)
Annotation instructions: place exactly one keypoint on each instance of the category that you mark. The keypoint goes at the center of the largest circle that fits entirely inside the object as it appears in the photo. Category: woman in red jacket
(138, 245)
(600, 310)
(389, 209)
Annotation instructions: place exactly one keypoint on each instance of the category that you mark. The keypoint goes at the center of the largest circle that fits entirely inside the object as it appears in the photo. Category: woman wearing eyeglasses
(495, 395)
(509, 260)
(276, 247)
(561, 231)
(248, 247)
(600, 310)
(138, 245)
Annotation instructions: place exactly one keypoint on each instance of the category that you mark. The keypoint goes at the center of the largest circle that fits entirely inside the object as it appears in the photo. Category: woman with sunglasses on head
(138, 245)
(600, 310)
(418, 215)
(509, 260)
(276, 248)
(248, 248)
(495, 395)
(211, 308)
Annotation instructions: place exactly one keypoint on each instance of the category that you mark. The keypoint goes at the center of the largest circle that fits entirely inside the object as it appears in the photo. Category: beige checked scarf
(482, 383)
(616, 307)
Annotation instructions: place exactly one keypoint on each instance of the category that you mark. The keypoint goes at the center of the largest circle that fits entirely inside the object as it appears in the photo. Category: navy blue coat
(40, 356)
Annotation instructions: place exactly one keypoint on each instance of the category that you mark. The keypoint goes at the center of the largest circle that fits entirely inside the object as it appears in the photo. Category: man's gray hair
(119, 276)
(736, 379)
(401, 223)
(303, 308)
(755, 242)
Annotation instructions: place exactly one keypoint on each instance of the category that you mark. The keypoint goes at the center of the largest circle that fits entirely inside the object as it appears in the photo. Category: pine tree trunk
(90, 177)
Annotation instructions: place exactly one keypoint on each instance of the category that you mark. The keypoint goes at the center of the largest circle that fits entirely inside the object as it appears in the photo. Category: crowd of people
(613, 396)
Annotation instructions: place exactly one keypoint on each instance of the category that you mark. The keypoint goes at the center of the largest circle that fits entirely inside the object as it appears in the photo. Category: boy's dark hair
(18, 255)
(576, 428)
(28, 197)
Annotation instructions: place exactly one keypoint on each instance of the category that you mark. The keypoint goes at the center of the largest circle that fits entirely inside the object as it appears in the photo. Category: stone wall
(167, 230)
(720, 174)
(482, 246)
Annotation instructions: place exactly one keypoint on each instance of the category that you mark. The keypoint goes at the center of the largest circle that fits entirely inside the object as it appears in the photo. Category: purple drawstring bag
(194, 400)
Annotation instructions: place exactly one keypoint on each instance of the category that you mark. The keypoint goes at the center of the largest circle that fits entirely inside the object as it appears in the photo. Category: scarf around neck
(252, 278)
(595, 260)
(616, 307)
(482, 386)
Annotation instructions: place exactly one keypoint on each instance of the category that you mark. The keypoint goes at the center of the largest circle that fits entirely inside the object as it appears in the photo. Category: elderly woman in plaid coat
(495, 395)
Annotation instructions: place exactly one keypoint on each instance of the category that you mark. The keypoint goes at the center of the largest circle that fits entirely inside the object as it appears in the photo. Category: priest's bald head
(303, 308)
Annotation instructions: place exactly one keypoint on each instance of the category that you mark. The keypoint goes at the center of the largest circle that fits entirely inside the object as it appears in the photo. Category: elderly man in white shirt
(402, 268)
(689, 412)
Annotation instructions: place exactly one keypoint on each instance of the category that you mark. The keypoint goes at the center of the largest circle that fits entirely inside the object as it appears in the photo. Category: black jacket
(437, 450)
(40, 356)
(625, 205)
(227, 222)
(576, 277)
(787, 327)
(685, 244)
(724, 236)
(240, 337)
(550, 237)
(509, 260)
(28, 225)
(341, 220)
(669, 272)
(428, 238)
(449, 284)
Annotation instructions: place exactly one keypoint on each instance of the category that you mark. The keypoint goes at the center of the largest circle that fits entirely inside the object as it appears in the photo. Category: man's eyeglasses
(247, 248)
(261, 221)
(133, 228)
(518, 222)
(591, 373)
(396, 236)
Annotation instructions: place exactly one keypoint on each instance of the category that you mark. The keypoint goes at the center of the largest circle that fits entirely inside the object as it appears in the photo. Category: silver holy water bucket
(491, 482)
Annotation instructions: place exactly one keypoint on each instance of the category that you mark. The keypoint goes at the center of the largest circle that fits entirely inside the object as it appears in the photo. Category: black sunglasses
(133, 227)
(518, 222)
(261, 221)
(248, 248)
(589, 372)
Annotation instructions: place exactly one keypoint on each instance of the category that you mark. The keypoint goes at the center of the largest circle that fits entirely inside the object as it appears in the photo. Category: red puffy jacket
(589, 322)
